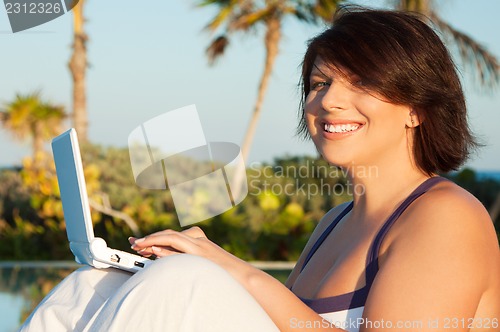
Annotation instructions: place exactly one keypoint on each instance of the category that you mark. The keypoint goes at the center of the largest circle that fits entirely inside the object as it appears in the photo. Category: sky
(147, 58)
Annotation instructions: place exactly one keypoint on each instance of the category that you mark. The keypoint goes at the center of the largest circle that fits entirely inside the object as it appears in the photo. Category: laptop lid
(79, 228)
(74, 197)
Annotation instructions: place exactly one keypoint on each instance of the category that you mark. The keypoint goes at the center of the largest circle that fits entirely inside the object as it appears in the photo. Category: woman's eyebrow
(317, 71)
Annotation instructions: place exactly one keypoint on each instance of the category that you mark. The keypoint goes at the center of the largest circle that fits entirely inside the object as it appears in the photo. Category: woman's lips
(335, 130)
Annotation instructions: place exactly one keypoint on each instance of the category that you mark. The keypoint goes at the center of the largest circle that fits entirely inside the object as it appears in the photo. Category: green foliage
(286, 200)
(21, 241)
(32, 221)
(152, 210)
(15, 199)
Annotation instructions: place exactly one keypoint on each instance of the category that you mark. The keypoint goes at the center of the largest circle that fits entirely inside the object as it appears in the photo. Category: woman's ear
(413, 120)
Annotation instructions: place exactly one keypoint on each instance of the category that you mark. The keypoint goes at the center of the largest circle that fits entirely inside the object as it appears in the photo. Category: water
(11, 306)
(23, 285)
(494, 175)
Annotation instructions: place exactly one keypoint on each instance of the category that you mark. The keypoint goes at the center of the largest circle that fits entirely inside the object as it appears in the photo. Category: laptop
(87, 249)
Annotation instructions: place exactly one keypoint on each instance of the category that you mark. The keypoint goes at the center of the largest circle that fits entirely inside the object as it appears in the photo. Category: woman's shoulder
(448, 224)
(443, 254)
(449, 206)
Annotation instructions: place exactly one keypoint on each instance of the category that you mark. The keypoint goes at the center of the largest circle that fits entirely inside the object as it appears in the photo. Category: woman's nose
(335, 97)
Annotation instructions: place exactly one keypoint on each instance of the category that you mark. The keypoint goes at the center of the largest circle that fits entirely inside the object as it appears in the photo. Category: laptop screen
(72, 187)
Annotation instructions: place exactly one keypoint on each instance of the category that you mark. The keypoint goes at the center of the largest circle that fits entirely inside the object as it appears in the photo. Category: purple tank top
(358, 297)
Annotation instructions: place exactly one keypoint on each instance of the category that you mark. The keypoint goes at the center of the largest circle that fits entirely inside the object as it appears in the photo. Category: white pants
(176, 293)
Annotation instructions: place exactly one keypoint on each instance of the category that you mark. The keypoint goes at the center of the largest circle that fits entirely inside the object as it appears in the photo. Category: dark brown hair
(400, 58)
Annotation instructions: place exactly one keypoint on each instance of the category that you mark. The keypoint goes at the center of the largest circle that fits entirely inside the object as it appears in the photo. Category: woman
(412, 251)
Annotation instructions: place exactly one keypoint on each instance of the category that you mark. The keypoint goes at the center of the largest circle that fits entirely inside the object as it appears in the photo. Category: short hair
(398, 56)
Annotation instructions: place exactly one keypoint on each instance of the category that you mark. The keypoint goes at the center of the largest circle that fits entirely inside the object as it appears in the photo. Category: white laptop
(87, 249)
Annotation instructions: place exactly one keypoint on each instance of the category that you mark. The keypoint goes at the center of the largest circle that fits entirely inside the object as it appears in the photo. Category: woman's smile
(339, 129)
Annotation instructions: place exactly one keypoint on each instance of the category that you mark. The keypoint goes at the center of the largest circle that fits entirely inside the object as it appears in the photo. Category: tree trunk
(271, 42)
(38, 140)
(78, 67)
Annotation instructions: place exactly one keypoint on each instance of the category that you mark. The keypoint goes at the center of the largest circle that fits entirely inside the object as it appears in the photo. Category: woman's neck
(379, 188)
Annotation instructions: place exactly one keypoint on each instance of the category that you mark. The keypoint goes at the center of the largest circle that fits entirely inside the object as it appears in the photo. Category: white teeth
(340, 128)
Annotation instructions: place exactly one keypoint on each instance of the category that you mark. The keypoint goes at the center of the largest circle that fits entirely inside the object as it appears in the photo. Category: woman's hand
(191, 241)
(153, 244)
(267, 291)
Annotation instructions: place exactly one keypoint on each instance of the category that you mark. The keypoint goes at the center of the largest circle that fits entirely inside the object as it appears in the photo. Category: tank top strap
(372, 259)
(325, 234)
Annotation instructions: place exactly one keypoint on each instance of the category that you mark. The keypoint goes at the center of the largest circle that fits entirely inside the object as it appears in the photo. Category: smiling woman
(412, 251)
(380, 90)
(412, 71)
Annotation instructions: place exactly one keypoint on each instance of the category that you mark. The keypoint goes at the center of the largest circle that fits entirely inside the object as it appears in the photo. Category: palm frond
(220, 3)
(486, 64)
(314, 12)
(300, 14)
(226, 11)
(50, 111)
(219, 19)
(324, 9)
(27, 111)
(216, 48)
(246, 20)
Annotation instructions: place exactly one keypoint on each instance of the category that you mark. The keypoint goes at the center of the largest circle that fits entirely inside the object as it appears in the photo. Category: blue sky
(147, 58)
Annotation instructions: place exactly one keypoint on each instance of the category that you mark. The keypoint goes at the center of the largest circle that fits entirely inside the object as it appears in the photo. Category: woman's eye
(319, 85)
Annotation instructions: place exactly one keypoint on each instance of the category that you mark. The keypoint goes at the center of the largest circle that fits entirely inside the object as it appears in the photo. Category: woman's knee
(101, 281)
(183, 268)
(75, 300)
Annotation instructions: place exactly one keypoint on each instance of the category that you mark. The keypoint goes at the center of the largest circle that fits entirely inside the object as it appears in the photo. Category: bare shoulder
(443, 254)
(447, 208)
(451, 225)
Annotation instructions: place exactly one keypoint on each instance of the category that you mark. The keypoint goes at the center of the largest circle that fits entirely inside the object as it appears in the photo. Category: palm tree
(78, 66)
(244, 15)
(486, 65)
(30, 117)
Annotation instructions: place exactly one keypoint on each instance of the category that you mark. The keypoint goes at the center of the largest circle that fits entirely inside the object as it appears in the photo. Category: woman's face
(351, 126)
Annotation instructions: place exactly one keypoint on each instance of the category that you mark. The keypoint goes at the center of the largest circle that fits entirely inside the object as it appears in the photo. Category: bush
(286, 200)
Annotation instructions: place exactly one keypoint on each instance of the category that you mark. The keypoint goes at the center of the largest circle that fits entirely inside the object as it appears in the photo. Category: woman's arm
(436, 267)
(286, 310)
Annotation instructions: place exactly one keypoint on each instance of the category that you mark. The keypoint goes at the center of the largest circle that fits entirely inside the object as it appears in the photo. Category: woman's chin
(334, 160)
